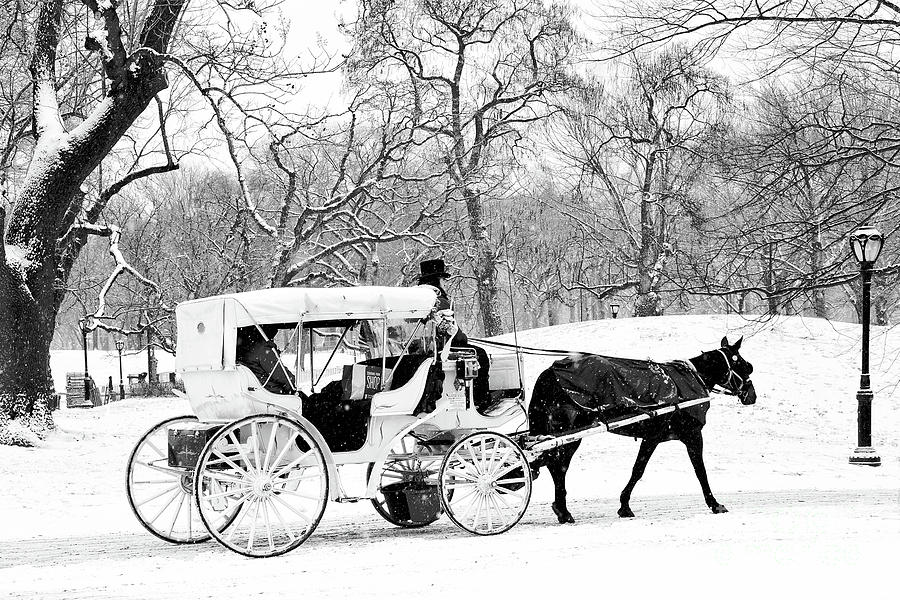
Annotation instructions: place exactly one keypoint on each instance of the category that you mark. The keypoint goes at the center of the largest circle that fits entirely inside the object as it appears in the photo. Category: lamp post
(120, 345)
(82, 323)
(866, 243)
(615, 310)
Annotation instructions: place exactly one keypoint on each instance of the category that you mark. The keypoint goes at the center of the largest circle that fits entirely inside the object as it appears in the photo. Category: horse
(554, 411)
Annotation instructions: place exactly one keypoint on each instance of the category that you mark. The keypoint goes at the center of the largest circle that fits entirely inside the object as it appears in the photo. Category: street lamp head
(615, 310)
(120, 345)
(866, 243)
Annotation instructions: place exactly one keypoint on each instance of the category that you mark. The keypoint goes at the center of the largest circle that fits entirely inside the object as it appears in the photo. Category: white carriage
(255, 469)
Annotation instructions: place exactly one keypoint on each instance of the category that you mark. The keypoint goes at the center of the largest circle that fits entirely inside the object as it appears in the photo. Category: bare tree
(484, 70)
(639, 148)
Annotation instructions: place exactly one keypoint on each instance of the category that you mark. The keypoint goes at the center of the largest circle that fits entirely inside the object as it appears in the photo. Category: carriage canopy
(207, 327)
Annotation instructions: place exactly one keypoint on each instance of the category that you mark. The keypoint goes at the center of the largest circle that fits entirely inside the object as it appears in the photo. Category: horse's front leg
(693, 441)
(558, 465)
(640, 464)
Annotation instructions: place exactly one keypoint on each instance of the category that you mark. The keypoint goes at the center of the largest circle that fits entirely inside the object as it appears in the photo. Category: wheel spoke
(503, 490)
(499, 463)
(178, 491)
(477, 505)
(252, 535)
(287, 446)
(511, 481)
(240, 450)
(254, 435)
(268, 523)
(168, 470)
(155, 496)
(462, 475)
(240, 520)
(149, 443)
(270, 447)
(292, 509)
(287, 527)
(177, 512)
(227, 460)
(493, 499)
(506, 470)
(452, 485)
(219, 476)
(292, 464)
(458, 499)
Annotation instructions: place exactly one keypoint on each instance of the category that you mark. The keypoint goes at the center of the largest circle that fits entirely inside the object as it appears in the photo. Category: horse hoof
(625, 513)
(719, 509)
(563, 516)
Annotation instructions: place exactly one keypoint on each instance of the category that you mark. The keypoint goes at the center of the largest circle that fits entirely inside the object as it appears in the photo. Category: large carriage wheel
(271, 473)
(161, 496)
(485, 483)
(410, 462)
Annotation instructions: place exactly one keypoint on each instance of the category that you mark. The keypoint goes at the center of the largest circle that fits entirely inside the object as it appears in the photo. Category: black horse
(553, 411)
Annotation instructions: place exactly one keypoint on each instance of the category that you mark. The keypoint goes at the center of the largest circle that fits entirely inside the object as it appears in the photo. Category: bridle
(731, 376)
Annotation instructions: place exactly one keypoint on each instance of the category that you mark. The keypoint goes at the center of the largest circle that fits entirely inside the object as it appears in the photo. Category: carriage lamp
(120, 345)
(866, 243)
(615, 310)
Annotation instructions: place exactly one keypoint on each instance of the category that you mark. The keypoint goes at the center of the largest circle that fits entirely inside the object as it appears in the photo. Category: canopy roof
(207, 326)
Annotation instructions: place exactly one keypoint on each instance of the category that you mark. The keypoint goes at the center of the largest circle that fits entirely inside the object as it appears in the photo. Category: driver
(434, 273)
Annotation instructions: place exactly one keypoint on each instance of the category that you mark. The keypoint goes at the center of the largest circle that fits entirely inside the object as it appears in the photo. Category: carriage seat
(404, 399)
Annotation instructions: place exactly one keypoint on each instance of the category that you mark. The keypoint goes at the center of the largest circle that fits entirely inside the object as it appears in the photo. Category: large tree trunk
(485, 267)
(26, 330)
(646, 303)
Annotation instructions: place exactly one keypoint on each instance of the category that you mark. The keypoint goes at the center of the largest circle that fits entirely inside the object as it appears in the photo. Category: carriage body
(245, 429)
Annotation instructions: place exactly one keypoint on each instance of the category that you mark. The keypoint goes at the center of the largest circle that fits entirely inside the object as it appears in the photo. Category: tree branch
(43, 70)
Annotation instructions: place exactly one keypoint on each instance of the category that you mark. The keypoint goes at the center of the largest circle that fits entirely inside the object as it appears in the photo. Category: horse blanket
(606, 384)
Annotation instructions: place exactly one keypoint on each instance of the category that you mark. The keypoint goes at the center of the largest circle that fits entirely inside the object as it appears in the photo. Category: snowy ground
(802, 521)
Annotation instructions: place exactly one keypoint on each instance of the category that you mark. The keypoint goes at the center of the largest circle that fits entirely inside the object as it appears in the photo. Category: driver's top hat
(432, 268)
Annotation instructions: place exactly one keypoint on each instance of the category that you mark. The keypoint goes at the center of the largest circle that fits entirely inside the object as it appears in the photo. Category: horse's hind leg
(558, 464)
(640, 464)
(693, 441)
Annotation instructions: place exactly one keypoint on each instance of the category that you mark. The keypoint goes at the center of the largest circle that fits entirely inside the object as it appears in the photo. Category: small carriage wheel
(160, 496)
(410, 461)
(485, 483)
(269, 472)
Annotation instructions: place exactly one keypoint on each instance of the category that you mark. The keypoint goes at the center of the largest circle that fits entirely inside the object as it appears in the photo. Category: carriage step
(350, 499)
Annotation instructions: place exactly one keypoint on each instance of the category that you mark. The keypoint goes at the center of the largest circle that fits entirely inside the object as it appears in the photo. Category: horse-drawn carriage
(254, 469)
(372, 386)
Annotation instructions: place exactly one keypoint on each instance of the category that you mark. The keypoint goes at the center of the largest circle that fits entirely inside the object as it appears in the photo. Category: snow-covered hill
(802, 520)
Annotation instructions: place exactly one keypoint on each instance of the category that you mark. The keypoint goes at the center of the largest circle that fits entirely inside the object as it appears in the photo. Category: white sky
(314, 23)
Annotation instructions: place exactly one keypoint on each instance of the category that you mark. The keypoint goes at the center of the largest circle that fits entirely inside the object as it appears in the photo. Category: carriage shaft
(573, 436)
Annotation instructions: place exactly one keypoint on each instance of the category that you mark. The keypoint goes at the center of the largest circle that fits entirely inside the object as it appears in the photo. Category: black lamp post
(615, 310)
(82, 323)
(120, 345)
(866, 243)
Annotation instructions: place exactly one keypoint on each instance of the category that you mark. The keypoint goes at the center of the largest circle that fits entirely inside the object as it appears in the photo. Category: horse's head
(726, 368)
(737, 379)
